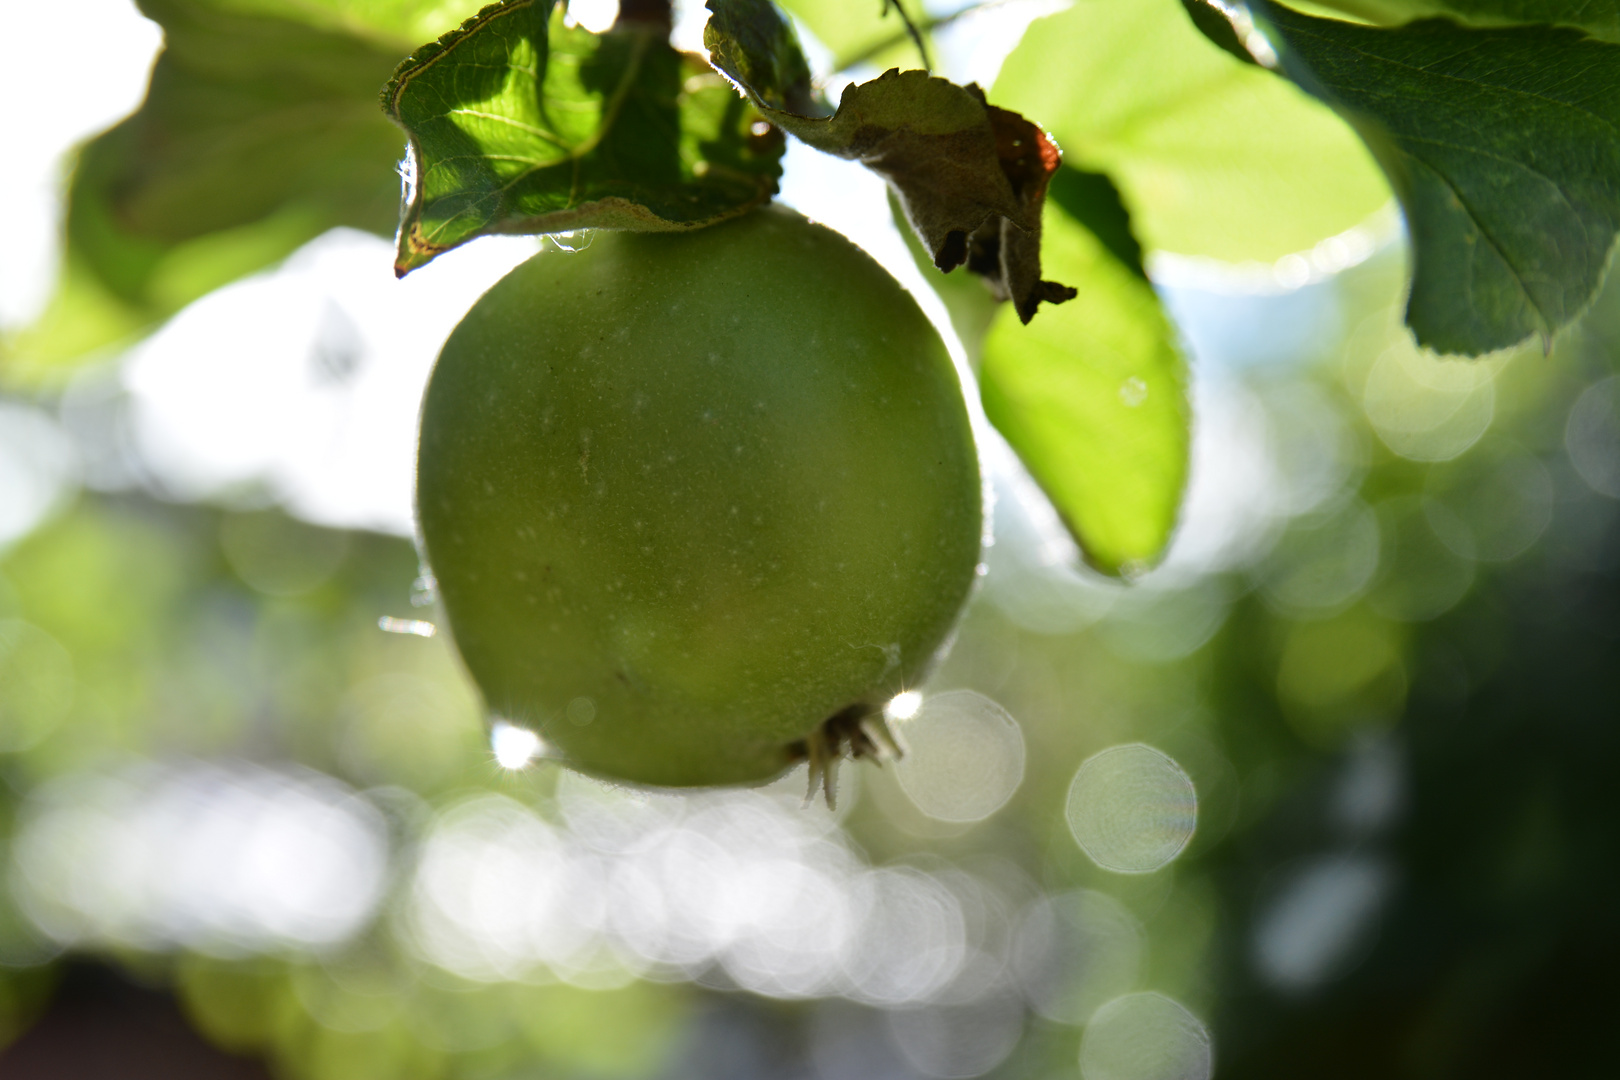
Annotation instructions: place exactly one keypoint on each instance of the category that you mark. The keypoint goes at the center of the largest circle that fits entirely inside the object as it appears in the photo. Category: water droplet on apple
(581, 711)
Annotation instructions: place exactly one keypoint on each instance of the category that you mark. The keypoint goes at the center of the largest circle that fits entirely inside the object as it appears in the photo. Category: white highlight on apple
(418, 627)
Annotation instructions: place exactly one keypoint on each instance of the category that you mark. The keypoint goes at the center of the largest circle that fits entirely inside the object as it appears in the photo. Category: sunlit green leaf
(1093, 200)
(1093, 397)
(1218, 28)
(1213, 156)
(520, 123)
(1504, 146)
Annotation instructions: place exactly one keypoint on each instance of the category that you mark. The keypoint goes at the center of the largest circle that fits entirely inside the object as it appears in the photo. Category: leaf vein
(1377, 58)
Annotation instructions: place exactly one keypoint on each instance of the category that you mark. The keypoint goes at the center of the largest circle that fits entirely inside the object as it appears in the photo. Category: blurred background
(1328, 793)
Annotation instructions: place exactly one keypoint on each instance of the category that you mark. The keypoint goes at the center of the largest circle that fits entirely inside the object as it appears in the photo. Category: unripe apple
(690, 497)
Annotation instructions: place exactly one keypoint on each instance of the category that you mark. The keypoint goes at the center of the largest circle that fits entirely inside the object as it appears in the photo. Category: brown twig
(911, 30)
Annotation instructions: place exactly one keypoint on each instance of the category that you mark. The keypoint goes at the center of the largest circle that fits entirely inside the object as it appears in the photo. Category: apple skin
(721, 485)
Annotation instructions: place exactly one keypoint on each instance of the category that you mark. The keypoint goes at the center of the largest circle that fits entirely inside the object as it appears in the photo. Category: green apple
(698, 504)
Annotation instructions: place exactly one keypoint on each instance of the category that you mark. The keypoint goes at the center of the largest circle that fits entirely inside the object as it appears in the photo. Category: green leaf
(258, 132)
(1214, 25)
(1212, 156)
(519, 123)
(1504, 147)
(753, 44)
(1093, 398)
(1599, 18)
(970, 177)
(1093, 200)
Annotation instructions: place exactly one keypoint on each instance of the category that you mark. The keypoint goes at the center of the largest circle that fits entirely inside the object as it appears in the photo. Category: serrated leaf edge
(415, 249)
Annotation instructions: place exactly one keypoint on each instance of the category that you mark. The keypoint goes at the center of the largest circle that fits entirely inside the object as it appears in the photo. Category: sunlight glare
(597, 16)
(514, 746)
(903, 706)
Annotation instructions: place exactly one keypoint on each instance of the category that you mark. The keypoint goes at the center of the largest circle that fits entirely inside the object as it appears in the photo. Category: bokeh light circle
(1074, 952)
(1145, 1036)
(1592, 436)
(964, 757)
(1131, 808)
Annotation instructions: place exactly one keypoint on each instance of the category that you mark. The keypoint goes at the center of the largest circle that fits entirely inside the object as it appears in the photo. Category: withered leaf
(970, 177)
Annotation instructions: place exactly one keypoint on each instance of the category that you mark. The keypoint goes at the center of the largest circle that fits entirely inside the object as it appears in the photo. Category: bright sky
(112, 49)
